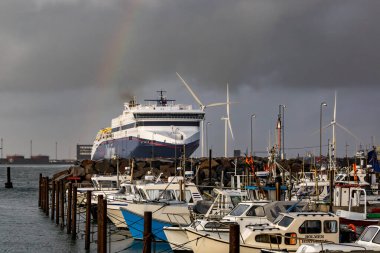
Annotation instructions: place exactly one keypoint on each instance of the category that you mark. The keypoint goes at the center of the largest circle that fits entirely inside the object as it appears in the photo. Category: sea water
(25, 228)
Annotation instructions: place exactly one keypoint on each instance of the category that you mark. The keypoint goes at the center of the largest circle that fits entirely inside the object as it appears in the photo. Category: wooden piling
(234, 238)
(57, 202)
(147, 247)
(52, 200)
(69, 206)
(8, 184)
(47, 197)
(62, 204)
(42, 190)
(88, 221)
(100, 223)
(278, 191)
(74, 213)
(39, 190)
(104, 224)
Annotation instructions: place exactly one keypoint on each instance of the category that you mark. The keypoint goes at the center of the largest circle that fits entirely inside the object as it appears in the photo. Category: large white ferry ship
(159, 128)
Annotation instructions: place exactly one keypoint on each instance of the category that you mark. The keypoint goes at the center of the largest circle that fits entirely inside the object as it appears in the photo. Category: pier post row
(57, 195)
(52, 200)
(88, 220)
(69, 207)
(62, 205)
(74, 213)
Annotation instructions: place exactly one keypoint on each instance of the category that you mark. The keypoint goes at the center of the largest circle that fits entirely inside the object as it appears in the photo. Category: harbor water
(25, 228)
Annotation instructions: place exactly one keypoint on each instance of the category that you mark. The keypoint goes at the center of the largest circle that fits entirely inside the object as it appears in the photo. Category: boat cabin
(369, 242)
(290, 230)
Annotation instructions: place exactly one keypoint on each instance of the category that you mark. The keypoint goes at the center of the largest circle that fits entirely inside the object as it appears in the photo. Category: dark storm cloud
(50, 45)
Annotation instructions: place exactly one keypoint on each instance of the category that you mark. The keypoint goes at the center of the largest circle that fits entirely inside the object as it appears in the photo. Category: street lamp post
(252, 116)
(320, 133)
(208, 123)
(175, 148)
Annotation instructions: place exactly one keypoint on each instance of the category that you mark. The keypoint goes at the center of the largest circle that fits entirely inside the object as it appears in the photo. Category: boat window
(330, 226)
(256, 211)
(107, 184)
(310, 227)
(368, 234)
(161, 194)
(239, 210)
(268, 238)
(286, 221)
(218, 225)
(376, 239)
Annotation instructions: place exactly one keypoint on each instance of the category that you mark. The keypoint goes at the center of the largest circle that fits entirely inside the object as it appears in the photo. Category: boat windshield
(239, 210)
(368, 234)
(286, 221)
(279, 217)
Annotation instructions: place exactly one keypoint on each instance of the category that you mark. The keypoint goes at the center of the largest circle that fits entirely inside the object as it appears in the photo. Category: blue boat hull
(135, 224)
(132, 147)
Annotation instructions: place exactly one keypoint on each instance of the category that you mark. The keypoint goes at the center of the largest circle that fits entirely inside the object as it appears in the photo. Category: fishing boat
(286, 233)
(358, 219)
(159, 128)
(170, 203)
(223, 203)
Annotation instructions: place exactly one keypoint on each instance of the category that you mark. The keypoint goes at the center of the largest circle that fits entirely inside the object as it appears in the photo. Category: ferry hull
(132, 147)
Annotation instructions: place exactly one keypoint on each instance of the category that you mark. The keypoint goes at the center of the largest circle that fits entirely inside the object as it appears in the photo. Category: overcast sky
(67, 66)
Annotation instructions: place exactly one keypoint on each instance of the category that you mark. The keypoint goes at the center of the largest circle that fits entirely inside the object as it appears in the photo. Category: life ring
(351, 227)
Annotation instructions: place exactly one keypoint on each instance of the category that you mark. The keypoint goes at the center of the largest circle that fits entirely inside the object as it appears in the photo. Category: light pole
(175, 148)
(252, 117)
(208, 123)
(320, 133)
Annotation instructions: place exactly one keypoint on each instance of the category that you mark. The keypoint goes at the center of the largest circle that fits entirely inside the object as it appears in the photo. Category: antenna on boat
(162, 101)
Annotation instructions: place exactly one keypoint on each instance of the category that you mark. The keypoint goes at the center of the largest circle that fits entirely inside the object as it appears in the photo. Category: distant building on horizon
(20, 159)
(84, 152)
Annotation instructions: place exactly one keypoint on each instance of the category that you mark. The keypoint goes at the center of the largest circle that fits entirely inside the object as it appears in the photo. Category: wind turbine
(333, 124)
(227, 121)
(202, 106)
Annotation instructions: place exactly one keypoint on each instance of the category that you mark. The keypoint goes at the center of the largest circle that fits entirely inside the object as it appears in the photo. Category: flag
(372, 159)
(249, 161)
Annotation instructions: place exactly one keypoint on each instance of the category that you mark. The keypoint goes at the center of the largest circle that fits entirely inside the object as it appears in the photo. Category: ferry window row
(167, 123)
(169, 115)
(156, 123)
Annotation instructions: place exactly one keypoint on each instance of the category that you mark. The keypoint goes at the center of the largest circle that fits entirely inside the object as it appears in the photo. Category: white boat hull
(203, 243)
(177, 238)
